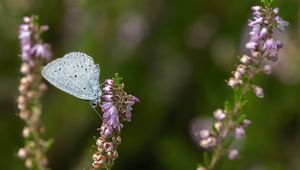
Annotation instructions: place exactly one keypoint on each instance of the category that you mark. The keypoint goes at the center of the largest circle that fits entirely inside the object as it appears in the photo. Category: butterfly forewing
(75, 73)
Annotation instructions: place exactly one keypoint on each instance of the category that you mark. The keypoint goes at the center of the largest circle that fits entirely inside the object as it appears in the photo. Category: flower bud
(43, 87)
(22, 99)
(237, 75)
(219, 114)
(259, 92)
(240, 133)
(27, 19)
(22, 153)
(115, 154)
(204, 133)
(24, 114)
(208, 142)
(201, 168)
(276, 10)
(251, 45)
(241, 68)
(31, 94)
(233, 154)
(233, 82)
(263, 32)
(23, 88)
(21, 106)
(28, 163)
(25, 68)
(245, 59)
(26, 132)
(218, 126)
(267, 69)
(246, 123)
(256, 8)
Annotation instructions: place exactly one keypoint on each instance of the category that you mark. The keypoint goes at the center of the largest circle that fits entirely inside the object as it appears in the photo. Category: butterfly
(77, 74)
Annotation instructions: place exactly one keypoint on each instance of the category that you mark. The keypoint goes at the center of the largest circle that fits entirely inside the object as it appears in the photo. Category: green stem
(34, 122)
(236, 107)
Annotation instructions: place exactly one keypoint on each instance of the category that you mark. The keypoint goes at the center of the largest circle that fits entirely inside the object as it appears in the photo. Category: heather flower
(267, 69)
(204, 133)
(219, 114)
(26, 132)
(259, 92)
(116, 106)
(31, 45)
(233, 154)
(41, 50)
(240, 133)
(230, 122)
(245, 59)
(262, 45)
(246, 123)
(218, 126)
(22, 153)
(33, 55)
(208, 142)
(111, 118)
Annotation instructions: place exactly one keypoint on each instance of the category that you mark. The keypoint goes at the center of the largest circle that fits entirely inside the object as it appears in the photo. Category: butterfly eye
(94, 103)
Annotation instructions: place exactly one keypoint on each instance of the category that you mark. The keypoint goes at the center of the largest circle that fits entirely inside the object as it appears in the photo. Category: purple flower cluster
(230, 121)
(263, 46)
(31, 89)
(116, 107)
(265, 21)
(31, 45)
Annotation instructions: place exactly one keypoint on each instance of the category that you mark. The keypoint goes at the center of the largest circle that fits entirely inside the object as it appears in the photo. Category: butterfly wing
(75, 73)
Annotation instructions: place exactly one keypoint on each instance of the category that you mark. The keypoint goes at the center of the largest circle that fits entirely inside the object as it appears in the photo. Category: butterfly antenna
(94, 105)
(97, 113)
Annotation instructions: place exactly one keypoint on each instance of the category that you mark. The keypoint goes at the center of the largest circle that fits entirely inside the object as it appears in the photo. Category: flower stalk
(230, 122)
(116, 106)
(33, 54)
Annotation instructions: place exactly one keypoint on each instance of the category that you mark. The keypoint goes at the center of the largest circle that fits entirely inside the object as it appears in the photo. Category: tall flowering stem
(33, 54)
(116, 106)
(230, 122)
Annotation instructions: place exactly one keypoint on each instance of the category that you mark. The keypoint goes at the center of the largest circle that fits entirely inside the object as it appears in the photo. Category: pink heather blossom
(30, 46)
(116, 107)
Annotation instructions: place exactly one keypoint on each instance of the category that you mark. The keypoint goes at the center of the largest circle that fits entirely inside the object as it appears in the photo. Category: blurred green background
(173, 55)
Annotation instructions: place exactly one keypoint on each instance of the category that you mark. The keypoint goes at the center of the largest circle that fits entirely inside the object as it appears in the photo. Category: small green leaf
(227, 106)
(49, 143)
(243, 103)
(213, 128)
(35, 19)
(206, 159)
(118, 79)
(267, 3)
(237, 95)
(228, 142)
(241, 118)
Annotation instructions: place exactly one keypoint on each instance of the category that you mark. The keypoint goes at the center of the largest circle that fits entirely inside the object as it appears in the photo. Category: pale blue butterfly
(77, 74)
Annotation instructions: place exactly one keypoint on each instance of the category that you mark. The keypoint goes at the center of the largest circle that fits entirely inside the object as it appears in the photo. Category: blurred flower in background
(201, 32)
(133, 29)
